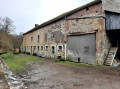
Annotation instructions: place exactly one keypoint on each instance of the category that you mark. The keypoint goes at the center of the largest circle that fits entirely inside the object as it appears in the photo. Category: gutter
(87, 17)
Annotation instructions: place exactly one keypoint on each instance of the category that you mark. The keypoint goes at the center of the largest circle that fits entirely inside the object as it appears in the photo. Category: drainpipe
(65, 50)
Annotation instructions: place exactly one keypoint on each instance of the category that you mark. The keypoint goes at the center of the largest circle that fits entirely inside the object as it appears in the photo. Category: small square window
(60, 48)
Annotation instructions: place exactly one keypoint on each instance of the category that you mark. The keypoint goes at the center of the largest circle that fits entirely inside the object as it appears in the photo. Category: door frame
(53, 54)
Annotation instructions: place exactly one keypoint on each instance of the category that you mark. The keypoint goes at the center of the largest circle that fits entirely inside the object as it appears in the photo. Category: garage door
(82, 48)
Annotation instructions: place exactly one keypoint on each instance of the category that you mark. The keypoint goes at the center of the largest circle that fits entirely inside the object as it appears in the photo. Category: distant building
(84, 34)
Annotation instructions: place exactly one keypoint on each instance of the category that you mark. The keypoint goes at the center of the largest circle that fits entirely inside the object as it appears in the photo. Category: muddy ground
(50, 75)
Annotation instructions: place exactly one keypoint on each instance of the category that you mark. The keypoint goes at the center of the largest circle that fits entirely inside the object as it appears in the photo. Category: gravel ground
(50, 75)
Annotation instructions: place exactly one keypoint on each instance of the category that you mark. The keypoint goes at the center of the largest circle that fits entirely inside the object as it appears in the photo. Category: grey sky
(26, 13)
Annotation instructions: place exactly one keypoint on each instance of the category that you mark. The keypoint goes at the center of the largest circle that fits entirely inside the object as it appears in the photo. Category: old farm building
(89, 34)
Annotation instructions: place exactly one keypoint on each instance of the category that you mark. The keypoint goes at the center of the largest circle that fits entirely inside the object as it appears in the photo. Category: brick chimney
(36, 25)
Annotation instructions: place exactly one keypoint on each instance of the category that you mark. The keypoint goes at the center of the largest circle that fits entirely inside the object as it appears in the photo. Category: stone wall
(112, 5)
(51, 35)
(92, 25)
(56, 34)
(90, 11)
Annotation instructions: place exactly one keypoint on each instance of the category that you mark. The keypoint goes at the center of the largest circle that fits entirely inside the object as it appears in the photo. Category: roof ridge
(64, 15)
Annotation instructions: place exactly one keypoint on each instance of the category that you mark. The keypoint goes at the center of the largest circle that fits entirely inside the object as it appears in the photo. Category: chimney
(36, 25)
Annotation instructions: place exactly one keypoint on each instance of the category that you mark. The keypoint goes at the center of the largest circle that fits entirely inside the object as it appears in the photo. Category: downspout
(65, 51)
(65, 43)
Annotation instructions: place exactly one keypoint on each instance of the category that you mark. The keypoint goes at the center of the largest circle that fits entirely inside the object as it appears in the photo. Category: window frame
(46, 48)
(60, 49)
(38, 38)
(38, 48)
(42, 48)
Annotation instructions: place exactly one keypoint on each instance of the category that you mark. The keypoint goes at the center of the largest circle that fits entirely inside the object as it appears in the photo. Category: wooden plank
(111, 56)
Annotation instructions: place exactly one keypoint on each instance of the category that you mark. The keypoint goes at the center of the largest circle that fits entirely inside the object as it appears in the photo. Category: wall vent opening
(59, 57)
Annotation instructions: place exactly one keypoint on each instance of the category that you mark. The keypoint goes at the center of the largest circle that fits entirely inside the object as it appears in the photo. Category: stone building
(83, 34)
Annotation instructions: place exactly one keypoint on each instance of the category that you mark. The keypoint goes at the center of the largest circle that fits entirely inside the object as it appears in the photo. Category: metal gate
(82, 48)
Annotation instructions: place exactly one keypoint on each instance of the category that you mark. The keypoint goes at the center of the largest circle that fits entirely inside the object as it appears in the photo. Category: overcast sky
(26, 13)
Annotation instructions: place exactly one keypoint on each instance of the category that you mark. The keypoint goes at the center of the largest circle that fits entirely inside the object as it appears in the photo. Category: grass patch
(7, 55)
(74, 64)
(17, 62)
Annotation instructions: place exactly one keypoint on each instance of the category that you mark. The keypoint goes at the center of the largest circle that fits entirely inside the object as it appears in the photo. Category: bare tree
(6, 25)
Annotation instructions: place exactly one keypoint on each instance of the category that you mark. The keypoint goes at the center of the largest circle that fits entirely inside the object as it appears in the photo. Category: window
(38, 38)
(34, 47)
(25, 41)
(25, 48)
(41, 48)
(38, 48)
(53, 49)
(31, 49)
(31, 39)
(60, 48)
(46, 48)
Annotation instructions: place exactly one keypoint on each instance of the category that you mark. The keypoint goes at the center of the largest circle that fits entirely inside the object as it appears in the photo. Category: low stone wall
(12, 79)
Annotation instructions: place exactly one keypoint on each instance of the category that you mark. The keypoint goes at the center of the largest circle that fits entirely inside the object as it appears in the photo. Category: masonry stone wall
(92, 25)
(111, 5)
(51, 35)
(56, 34)
(90, 11)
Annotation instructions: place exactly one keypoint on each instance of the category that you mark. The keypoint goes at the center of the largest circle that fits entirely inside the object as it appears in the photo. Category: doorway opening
(53, 51)
(78, 59)
(114, 38)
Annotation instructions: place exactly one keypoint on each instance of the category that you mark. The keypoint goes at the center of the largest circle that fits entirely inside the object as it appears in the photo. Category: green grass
(73, 64)
(17, 62)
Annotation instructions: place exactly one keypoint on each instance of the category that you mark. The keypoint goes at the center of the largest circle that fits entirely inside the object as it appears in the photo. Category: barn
(87, 34)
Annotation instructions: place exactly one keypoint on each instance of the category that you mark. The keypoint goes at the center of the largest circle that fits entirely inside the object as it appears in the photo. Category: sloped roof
(62, 16)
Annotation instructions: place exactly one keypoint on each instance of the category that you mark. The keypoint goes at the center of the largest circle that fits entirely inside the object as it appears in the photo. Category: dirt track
(49, 75)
